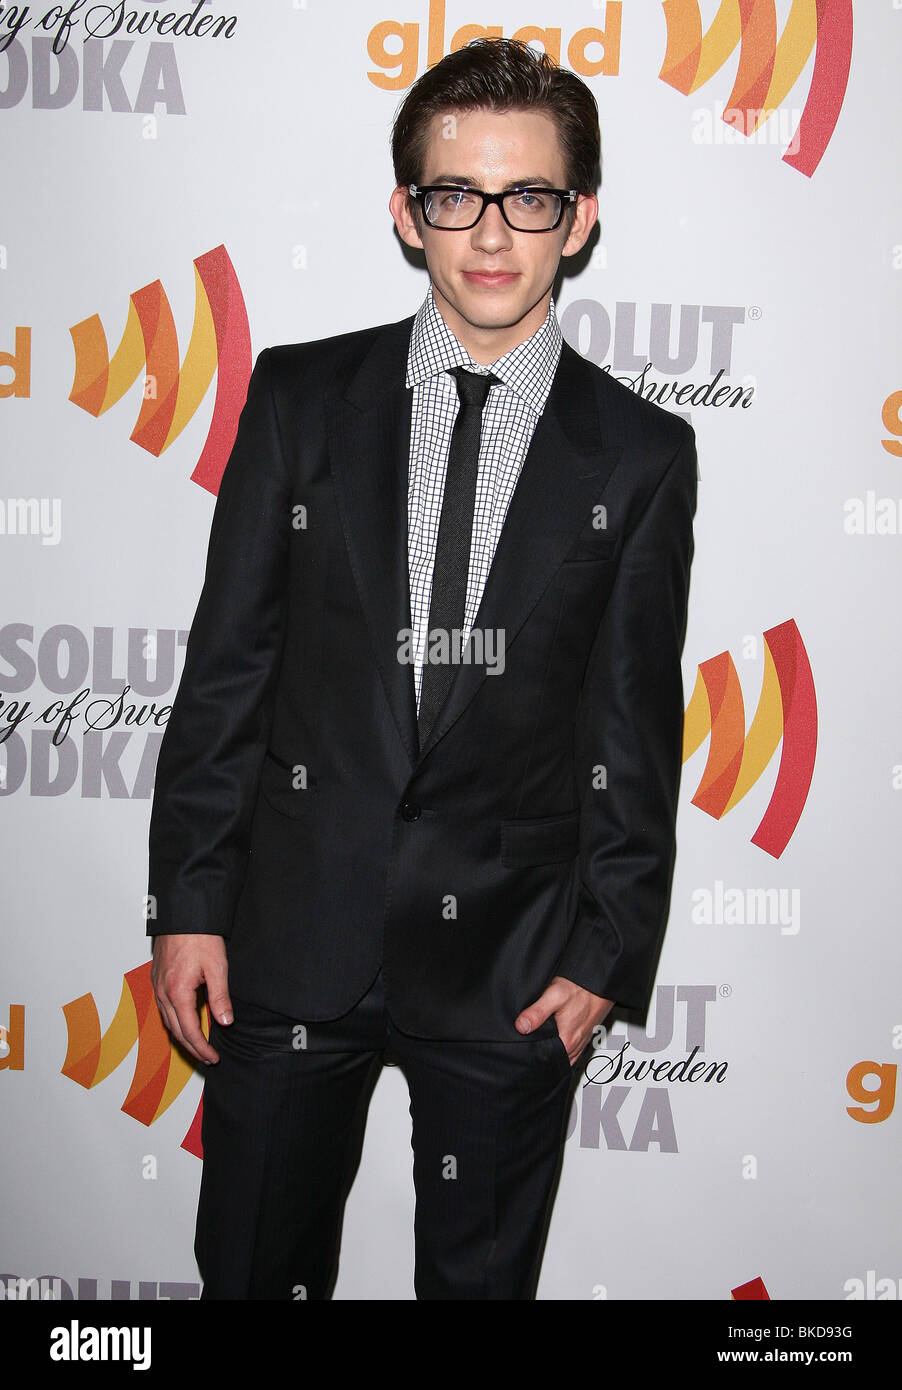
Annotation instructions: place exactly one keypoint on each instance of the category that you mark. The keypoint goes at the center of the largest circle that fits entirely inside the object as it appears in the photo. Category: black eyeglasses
(451, 208)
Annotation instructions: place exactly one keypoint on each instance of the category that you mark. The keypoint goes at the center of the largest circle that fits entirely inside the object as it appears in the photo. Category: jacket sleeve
(212, 750)
(628, 748)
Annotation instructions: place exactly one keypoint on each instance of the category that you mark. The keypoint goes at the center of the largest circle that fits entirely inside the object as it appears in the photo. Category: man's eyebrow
(533, 181)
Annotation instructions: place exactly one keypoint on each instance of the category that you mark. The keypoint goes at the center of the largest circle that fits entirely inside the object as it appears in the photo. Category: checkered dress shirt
(509, 419)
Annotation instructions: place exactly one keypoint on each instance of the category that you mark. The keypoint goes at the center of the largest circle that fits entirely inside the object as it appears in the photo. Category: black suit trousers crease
(283, 1121)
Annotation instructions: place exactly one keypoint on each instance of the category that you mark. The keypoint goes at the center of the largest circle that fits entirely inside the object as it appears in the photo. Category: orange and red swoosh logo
(220, 342)
(161, 1070)
(769, 66)
(787, 710)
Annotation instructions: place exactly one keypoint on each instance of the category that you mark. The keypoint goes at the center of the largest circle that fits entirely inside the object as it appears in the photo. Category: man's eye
(531, 201)
(457, 198)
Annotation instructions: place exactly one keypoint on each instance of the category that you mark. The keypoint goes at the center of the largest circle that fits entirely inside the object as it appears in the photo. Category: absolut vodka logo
(647, 347)
(84, 712)
(92, 55)
(625, 1097)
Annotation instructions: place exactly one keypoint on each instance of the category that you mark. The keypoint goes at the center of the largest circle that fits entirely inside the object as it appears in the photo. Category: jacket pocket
(282, 785)
(540, 839)
(592, 546)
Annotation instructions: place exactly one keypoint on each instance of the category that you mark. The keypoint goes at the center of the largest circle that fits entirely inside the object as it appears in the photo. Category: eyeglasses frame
(568, 197)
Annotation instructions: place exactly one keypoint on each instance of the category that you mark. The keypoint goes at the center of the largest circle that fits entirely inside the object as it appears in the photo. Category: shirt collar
(528, 369)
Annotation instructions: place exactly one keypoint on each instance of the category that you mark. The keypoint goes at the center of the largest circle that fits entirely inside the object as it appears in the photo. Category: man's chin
(489, 309)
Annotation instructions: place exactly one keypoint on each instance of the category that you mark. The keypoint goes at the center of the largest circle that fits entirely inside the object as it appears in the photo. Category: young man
(418, 788)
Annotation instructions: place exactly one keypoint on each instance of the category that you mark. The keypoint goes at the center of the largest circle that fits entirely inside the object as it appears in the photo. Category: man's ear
(405, 217)
(583, 220)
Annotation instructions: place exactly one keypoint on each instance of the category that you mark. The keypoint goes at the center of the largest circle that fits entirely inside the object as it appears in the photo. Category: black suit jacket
(533, 833)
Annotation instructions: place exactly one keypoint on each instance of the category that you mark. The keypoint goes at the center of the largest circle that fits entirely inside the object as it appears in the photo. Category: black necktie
(455, 530)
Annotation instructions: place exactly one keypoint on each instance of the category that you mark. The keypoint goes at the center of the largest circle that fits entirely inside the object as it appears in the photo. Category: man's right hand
(181, 963)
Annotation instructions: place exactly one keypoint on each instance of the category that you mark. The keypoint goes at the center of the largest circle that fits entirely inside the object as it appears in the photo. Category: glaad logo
(18, 361)
(591, 52)
(891, 414)
(618, 1057)
(769, 66)
(220, 342)
(787, 710)
(876, 1103)
(161, 1071)
(12, 1040)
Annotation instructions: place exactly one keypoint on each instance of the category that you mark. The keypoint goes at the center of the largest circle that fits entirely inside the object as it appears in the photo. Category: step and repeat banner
(185, 187)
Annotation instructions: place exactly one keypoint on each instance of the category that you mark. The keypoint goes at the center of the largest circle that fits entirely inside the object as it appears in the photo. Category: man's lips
(490, 277)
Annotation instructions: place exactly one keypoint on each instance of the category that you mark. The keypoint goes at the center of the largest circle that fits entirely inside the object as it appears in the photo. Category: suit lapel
(565, 470)
(369, 446)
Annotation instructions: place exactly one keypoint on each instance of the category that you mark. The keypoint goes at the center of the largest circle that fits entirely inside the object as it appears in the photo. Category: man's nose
(491, 232)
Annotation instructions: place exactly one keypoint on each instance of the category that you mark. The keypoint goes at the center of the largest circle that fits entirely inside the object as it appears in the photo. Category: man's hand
(181, 963)
(576, 1011)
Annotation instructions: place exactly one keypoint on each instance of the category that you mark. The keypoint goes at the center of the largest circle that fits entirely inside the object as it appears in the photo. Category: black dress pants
(283, 1119)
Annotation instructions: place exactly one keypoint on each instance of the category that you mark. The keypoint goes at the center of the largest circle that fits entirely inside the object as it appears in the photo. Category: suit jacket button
(410, 810)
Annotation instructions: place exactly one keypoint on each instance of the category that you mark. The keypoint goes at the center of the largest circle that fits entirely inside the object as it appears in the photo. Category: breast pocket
(289, 788)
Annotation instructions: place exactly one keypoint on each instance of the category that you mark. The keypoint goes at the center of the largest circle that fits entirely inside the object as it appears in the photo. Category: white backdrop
(129, 156)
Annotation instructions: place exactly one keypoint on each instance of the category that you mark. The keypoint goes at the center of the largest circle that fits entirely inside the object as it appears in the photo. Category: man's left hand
(576, 1010)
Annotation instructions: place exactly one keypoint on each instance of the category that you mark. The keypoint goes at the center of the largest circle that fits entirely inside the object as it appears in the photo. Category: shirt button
(410, 810)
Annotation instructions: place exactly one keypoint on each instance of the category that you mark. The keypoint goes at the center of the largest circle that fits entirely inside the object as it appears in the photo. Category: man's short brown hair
(500, 75)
